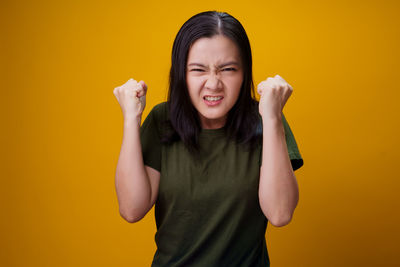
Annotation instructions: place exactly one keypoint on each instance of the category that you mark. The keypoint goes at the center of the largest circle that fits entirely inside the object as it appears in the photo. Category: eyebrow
(220, 66)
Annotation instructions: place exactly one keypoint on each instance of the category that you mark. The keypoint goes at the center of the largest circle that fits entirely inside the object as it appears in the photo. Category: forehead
(216, 49)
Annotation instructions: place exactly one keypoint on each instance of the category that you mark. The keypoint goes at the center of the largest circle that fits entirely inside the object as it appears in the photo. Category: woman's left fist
(274, 94)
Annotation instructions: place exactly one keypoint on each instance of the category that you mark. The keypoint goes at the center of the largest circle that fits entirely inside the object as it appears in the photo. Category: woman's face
(214, 77)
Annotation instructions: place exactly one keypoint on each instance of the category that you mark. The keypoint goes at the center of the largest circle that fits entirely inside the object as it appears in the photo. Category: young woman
(217, 164)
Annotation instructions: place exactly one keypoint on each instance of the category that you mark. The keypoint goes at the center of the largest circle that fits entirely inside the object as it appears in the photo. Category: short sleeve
(150, 141)
(293, 150)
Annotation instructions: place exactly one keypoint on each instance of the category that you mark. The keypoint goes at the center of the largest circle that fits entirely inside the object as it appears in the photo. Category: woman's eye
(229, 69)
(196, 70)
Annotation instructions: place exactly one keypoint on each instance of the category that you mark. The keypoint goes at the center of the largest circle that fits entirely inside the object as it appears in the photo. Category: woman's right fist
(131, 97)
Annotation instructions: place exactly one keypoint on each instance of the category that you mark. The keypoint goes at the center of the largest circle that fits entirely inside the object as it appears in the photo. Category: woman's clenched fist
(131, 97)
(274, 94)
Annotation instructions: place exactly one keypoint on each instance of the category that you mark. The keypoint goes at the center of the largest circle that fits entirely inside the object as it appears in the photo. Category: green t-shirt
(207, 210)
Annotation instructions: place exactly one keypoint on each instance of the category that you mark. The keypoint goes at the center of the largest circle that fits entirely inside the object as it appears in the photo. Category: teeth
(210, 98)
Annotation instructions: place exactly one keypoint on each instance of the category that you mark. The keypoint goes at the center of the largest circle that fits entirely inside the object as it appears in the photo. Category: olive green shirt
(207, 210)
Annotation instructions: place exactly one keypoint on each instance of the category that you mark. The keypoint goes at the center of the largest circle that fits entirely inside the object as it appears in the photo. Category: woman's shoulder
(159, 114)
(160, 107)
(159, 111)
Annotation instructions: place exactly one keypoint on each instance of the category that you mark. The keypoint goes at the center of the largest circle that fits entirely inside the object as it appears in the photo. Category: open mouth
(213, 100)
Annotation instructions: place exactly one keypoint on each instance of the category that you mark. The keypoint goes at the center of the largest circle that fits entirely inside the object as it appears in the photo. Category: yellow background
(62, 126)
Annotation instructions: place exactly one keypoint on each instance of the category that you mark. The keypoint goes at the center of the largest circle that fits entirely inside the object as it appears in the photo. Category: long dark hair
(243, 122)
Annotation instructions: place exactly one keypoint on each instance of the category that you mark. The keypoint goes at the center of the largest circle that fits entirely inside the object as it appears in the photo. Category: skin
(214, 77)
(278, 189)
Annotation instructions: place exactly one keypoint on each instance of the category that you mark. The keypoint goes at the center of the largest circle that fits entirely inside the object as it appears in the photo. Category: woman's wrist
(271, 118)
(130, 121)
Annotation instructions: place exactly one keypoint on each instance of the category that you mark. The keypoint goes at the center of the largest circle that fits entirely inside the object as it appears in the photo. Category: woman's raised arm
(136, 184)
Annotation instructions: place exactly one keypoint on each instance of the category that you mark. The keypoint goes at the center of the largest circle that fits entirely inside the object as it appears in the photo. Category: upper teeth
(213, 98)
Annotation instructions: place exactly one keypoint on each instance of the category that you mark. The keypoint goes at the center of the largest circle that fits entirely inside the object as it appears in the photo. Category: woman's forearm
(131, 180)
(278, 190)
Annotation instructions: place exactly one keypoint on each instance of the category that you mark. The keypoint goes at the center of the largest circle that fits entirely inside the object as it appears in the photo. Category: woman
(217, 164)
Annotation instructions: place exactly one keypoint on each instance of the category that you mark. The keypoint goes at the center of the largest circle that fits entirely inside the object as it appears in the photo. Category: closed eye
(196, 70)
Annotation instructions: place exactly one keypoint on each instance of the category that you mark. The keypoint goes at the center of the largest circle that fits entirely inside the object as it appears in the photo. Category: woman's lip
(213, 96)
(213, 103)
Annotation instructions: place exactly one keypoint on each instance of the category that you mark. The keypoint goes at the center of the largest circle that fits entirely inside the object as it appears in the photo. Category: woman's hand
(274, 94)
(131, 97)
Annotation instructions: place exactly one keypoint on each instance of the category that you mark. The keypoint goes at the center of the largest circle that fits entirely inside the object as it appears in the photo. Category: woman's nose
(213, 82)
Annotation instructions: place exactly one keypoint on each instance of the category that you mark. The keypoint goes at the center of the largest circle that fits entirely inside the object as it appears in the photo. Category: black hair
(243, 122)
